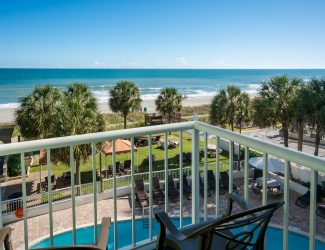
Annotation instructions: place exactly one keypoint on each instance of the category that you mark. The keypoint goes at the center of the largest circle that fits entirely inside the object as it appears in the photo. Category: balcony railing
(315, 164)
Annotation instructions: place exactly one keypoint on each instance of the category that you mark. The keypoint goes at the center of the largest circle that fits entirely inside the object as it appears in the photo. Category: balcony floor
(39, 226)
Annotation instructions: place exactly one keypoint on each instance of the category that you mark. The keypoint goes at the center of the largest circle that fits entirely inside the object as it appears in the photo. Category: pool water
(85, 236)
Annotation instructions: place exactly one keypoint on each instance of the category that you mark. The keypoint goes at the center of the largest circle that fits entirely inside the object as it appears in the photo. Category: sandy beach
(7, 114)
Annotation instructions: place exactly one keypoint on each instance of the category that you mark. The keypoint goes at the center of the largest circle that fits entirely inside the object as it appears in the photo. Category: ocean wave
(201, 93)
(254, 85)
(150, 88)
(9, 105)
(149, 96)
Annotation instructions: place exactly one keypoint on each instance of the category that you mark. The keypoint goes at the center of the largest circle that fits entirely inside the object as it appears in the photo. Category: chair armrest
(104, 229)
(188, 232)
(234, 197)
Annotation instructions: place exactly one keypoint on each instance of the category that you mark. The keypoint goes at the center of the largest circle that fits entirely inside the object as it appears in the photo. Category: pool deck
(62, 220)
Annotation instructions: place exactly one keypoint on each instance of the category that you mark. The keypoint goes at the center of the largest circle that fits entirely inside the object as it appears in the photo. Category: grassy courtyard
(141, 157)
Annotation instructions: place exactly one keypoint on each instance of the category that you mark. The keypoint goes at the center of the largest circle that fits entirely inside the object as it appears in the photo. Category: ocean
(16, 83)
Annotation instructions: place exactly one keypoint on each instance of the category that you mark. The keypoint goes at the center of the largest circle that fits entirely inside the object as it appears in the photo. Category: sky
(162, 34)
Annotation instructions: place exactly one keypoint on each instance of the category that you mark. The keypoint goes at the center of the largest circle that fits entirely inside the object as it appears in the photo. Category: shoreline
(7, 114)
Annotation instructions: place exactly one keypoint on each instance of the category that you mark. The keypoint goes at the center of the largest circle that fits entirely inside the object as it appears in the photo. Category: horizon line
(82, 68)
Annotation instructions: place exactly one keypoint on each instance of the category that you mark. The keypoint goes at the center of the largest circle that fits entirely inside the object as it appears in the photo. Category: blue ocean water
(16, 83)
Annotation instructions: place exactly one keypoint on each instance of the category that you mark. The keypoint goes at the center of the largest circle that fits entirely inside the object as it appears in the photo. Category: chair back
(171, 181)
(245, 229)
(155, 183)
(211, 178)
(127, 164)
(224, 179)
(139, 184)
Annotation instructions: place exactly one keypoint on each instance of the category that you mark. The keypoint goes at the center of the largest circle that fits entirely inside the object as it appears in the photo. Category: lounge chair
(127, 166)
(156, 139)
(304, 200)
(140, 193)
(212, 183)
(187, 157)
(250, 227)
(100, 245)
(119, 168)
(157, 192)
(53, 182)
(187, 190)
(225, 182)
(172, 191)
(202, 188)
(320, 211)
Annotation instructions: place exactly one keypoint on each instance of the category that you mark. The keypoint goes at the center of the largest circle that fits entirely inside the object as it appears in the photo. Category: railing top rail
(313, 162)
(29, 146)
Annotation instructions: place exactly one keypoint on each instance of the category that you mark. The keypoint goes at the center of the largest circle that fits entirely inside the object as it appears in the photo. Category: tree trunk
(317, 140)
(124, 121)
(300, 136)
(285, 134)
(232, 126)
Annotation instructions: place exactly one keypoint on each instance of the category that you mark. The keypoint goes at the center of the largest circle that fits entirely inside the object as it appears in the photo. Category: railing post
(23, 179)
(265, 177)
(312, 211)
(181, 178)
(195, 176)
(93, 153)
(231, 165)
(217, 176)
(205, 176)
(166, 172)
(73, 197)
(132, 192)
(150, 187)
(114, 194)
(286, 205)
(49, 193)
(246, 174)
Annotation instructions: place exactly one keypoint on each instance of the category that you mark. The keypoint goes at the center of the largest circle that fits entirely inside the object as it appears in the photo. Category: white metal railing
(34, 200)
(315, 164)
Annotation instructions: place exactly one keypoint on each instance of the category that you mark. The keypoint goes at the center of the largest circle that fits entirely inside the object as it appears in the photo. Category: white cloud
(219, 62)
(99, 64)
(181, 60)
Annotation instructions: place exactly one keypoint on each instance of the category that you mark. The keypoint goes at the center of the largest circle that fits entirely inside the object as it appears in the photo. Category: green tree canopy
(314, 104)
(38, 111)
(168, 102)
(78, 115)
(230, 106)
(275, 98)
(124, 98)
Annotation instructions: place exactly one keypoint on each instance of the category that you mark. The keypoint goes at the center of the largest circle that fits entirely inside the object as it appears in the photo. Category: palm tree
(79, 115)
(124, 98)
(243, 110)
(300, 113)
(168, 102)
(276, 96)
(37, 112)
(225, 106)
(314, 94)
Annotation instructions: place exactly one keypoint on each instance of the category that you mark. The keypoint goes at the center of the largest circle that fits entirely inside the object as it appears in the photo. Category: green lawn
(142, 154)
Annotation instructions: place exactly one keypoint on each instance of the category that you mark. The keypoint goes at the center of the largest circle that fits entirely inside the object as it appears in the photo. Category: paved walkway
(39, 226)
(272, 136)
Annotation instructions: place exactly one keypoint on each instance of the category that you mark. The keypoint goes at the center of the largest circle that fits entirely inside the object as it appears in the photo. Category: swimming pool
(85, 236)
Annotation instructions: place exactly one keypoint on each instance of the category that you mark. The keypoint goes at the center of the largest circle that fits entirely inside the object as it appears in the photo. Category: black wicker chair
(224, 178)
(244, 230)
(212, 183)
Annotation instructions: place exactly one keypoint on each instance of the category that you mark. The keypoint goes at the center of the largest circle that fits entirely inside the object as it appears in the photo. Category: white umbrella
(273, 164)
